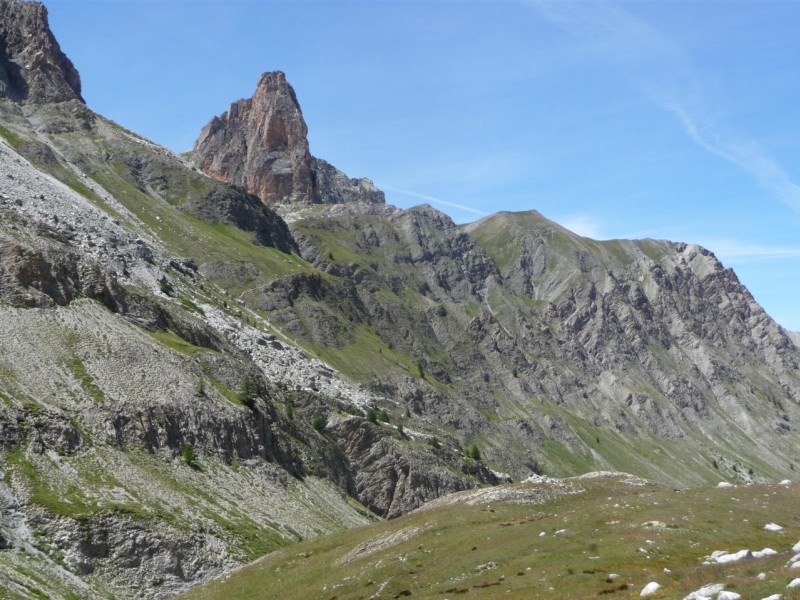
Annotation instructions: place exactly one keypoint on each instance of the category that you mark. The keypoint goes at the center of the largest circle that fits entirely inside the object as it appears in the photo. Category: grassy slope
(603, 530)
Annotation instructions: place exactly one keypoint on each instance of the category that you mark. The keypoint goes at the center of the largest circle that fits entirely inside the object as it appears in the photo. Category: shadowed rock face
(32, 278)
(331, 186)
(32, 66)
(261, 144)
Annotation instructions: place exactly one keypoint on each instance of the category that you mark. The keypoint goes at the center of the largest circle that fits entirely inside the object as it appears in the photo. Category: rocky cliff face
(331, 186)
(261, 145)
(32, 66)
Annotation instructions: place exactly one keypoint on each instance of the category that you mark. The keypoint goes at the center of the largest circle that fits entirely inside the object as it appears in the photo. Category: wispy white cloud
(671, 81)
(483, 170)
(747, 156)
(433, 199)
(620, 35)
(583, 225)
(731, 250)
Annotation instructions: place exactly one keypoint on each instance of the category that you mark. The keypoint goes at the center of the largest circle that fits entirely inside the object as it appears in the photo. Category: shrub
(290, 411)
(189, 457)
(165, 285)
(372, 415)
(473, 452)
(400, 429)
(434, 442)
(319, 422)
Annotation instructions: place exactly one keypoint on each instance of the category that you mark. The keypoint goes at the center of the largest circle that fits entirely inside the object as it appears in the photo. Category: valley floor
(605, 536)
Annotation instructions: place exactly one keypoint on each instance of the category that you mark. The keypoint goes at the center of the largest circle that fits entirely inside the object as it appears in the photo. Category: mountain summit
(261, 144)
(32, 66)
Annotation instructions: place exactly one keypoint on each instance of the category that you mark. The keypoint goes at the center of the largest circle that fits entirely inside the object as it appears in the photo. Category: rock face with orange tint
(261, 144)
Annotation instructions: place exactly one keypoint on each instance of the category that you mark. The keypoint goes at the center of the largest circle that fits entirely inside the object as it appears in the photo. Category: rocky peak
(261, 144)
(331, 186)
(32, 66)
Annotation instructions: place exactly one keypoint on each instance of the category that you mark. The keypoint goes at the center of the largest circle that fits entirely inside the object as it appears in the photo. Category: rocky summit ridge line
(32, 66)
(261, 144)
(199, 369)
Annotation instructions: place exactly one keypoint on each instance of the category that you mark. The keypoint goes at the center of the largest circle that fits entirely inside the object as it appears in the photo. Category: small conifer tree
(319, 422)
(189, 456)
(473, 452)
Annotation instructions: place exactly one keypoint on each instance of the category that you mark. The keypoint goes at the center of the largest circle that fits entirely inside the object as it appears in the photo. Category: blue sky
(670, 120)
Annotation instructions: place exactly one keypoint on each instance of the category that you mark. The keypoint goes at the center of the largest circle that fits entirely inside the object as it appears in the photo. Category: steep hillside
(155, 431)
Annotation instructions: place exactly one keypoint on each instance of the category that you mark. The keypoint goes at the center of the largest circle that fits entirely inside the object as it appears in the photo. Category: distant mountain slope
(794, 336)
(513, 329)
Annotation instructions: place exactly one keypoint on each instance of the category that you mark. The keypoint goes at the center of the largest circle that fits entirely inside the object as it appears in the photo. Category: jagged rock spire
(261, 144)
